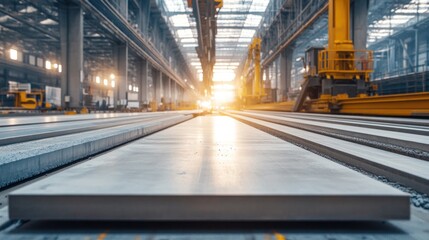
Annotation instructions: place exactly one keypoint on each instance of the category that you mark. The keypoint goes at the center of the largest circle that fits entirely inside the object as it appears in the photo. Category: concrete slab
(409, 171)
(25, 160)
(209, 168)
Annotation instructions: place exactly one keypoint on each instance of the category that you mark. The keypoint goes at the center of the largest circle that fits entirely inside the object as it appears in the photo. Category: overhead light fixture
(55, 65)
(113, 83)
(13, 54)
(48, 21)
(97, 80)
(48, 65)
(60, 68)
(112, 76)
(105, 82)
(130, 87)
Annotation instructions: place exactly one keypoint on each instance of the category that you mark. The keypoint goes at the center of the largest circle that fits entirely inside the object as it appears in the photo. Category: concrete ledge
(21, 161)
(249, 207)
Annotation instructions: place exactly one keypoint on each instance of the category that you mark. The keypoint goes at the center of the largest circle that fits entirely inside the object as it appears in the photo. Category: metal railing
(400, 72)
(346, 62)
(406, 80)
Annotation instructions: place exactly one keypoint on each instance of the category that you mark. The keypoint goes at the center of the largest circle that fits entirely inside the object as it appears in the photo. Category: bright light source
(105, 82)
(130, 87)
(112, 76)
(223, 96)
(13, 54)
(48, 21)
(223, 75)
(97, 79)
(48, 65)
(137, 89)
(60, 68)
(55, 65)
(113, 83)
(201, 77)
(223, 87)
(192, 86)
(206, 105)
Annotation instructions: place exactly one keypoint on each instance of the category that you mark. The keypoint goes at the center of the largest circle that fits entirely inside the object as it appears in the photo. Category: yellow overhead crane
(252, 93)
(337, 78)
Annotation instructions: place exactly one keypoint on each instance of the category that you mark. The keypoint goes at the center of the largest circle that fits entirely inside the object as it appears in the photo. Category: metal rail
(77, 129)
(331, 151)
(404, 147)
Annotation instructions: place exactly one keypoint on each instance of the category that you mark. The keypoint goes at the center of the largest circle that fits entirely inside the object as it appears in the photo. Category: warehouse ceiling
(237, 23)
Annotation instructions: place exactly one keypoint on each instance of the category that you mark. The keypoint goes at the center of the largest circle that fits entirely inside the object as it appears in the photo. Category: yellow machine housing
(29, 100)
(337, 78)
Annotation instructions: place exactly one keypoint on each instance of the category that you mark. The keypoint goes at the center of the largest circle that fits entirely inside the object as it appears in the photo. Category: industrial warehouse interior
(214, 119)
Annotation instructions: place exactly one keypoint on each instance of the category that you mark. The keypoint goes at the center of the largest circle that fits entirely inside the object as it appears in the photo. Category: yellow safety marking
(102, 236)
(279, 236)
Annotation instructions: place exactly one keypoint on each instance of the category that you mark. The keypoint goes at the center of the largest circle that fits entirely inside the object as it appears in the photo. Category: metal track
(400, 146)
(95, 124)
(283, 130)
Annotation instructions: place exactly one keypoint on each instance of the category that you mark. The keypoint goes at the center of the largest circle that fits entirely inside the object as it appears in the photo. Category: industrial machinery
(339, 71)
(337, 78)
(252, 91)
(34, 100)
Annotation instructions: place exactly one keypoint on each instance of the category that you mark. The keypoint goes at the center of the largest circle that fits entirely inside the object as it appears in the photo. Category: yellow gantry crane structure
(337, 78)
(252, 91)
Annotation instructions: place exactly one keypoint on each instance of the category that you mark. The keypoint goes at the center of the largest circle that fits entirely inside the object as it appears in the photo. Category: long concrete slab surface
(209, 168)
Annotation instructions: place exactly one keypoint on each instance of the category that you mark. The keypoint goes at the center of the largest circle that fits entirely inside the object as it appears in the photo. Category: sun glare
(223, 96)
(223, 75)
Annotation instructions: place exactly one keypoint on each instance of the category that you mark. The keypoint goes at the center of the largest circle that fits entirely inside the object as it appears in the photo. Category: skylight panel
(185, 33)
(188, 40)
(174, 5)
(252, 20)
(180, 20)
(247, 33)
(259, 5)
(245, 40)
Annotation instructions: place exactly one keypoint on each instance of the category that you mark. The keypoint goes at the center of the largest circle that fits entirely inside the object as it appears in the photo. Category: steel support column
(121, 57)
(158, 87)
(174, 94)
(169, 98)
(71, 34)
(360, 23)
(285, 73)
(144, 16)
(144, 86)
(123, 8)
